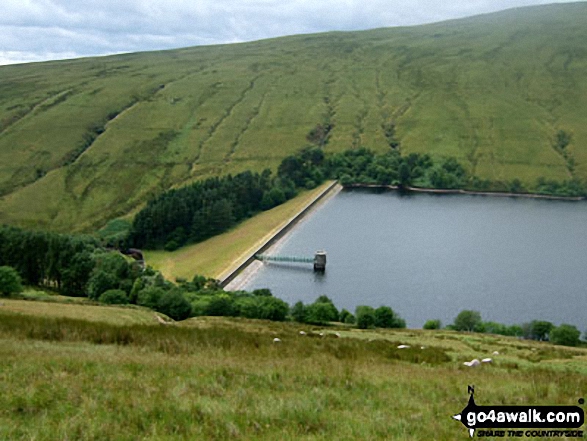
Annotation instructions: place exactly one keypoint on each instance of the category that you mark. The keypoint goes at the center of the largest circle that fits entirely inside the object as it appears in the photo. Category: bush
(567, 335)
(221, 305)
(322, 311)
(100, 282)
(537, 330)
(467, 320)
(385, 317)
(10, 281)
(247, 307)
(365, 316)
(432, 324)
(150, 296)
(174, 305)
(271, 308)
(114, 297)
(299, 313)
(346, 317)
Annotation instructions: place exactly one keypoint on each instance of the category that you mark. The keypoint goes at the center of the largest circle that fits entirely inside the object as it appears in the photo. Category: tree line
(194, 213)
(541, 330)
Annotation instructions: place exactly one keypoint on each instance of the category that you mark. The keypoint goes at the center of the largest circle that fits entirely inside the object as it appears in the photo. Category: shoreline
(251, 270)
(467, 192)
(227, 280)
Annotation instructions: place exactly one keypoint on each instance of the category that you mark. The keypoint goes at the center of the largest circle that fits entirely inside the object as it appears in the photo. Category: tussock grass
(218, 378)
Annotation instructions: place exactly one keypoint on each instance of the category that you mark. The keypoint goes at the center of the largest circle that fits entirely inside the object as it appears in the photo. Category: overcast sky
(35, 30)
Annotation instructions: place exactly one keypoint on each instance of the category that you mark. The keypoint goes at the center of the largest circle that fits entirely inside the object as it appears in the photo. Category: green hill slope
(87, 140)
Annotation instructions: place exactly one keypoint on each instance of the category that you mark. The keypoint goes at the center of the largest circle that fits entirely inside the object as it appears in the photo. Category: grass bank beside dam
(222, 256)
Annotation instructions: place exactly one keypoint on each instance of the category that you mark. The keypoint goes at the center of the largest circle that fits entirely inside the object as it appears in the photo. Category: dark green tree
(538, 329)
(385, 317)
(299, 312)
(10, 281)
(174, 304)
(467, 320)
(567, 335)
(271, 308)
(114, 297)
(432, 324)
(149, 297)
(365, 316)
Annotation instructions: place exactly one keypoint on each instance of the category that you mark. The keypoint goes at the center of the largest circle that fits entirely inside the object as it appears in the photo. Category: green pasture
(219, 378)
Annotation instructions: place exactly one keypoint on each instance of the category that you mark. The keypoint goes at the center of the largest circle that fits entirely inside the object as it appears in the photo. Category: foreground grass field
(225, 379)
(217, 255)
(84, 141)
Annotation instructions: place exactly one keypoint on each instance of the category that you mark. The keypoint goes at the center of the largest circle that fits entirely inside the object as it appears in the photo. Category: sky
(38, 30)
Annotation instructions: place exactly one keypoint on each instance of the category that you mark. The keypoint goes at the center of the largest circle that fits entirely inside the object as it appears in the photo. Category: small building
(320, 261)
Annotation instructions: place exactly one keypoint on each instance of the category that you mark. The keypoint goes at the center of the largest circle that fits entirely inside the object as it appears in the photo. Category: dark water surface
(431, 256)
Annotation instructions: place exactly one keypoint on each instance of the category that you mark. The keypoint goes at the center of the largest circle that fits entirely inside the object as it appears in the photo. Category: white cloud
(33, 29)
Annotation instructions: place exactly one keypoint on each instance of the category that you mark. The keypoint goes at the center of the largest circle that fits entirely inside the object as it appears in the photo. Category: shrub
(200, 306)
(365, 316)
(247, 307)
(467, 320)
(150, 296)
(221, 305)
(114, 297)
(174, 304)
(432, 324)
(263, 292)
(10, 281)
(299, 312)
(346, 317)
(100, 282)
(322, 311)
(567, 335)
(385, 317)
(537, 329)
(271, 308)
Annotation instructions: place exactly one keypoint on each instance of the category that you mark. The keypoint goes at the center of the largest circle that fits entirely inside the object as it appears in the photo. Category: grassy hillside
(87, 140)
(212, 378)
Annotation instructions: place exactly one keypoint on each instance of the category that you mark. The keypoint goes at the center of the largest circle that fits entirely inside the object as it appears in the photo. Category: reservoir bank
(244, 263)
(430, 256)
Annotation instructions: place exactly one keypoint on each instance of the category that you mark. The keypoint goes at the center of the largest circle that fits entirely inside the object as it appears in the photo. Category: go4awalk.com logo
(521, 421)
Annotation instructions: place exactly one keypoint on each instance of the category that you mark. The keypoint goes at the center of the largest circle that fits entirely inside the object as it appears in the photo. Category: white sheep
(486, 360)
(403, 347)
(276, 340)
(495, 353)
(302, 333)
(472, 363)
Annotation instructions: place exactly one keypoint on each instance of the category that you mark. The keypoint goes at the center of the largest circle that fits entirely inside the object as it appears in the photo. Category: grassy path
(217, 255)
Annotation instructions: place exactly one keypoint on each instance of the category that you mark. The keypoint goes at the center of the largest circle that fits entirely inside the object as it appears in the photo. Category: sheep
(472, 363)
(302, 333)
(403, 347)
(276, 340)
(487, 360)
(495, 353)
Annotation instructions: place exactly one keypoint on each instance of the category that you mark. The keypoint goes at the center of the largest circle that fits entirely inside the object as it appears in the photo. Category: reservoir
(431, 256)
